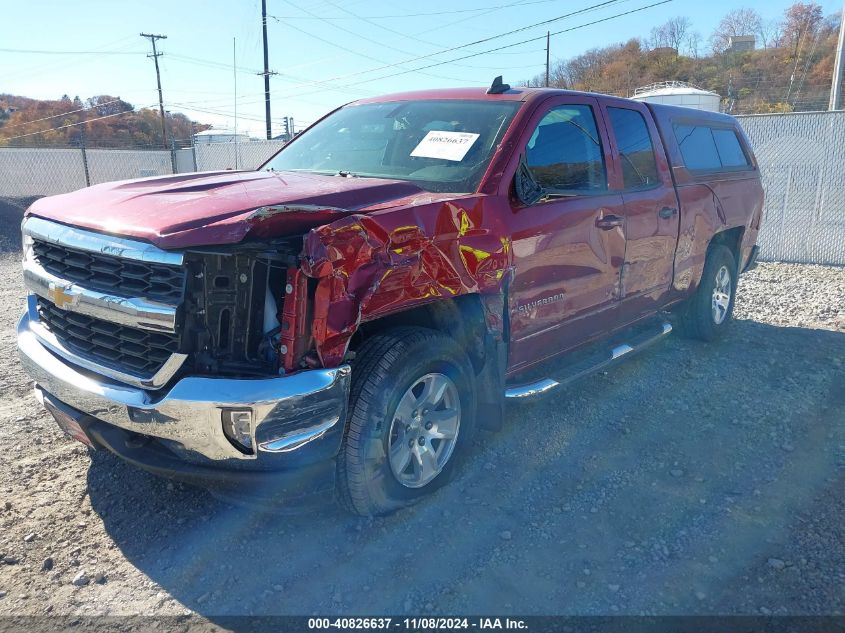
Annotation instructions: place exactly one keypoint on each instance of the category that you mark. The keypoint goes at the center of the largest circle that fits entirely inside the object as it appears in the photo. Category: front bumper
(298, 420)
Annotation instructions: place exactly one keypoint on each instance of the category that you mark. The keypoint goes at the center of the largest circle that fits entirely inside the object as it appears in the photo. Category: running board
(580, 370)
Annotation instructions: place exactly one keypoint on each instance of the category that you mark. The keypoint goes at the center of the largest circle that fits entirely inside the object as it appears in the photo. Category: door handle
(609, 222)
(667, 212)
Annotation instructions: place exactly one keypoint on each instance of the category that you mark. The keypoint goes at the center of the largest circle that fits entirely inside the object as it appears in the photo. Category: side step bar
(578, 371)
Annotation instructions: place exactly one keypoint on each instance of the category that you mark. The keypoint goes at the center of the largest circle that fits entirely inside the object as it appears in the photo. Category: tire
(390, 376)
(701, 317)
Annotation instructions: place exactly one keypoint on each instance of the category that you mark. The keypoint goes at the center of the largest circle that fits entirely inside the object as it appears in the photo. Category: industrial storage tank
(680, 94)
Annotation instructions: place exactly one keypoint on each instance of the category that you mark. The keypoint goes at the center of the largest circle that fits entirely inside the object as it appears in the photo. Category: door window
(730, 151)
(697, 147)
(565, 151)
(636, 153)
(710, 148)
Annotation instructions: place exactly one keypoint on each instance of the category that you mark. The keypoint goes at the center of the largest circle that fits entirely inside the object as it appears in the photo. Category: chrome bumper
(289, 413)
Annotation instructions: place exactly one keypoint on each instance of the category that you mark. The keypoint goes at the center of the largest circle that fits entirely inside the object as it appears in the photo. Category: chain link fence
(26, 172)
(226, 155)
(105, 165)
(801, 158)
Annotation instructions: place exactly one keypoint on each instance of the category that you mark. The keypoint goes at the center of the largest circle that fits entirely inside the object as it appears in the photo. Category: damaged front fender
(372, 265)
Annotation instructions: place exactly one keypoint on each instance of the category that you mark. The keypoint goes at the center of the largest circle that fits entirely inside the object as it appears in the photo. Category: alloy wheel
(424, 430)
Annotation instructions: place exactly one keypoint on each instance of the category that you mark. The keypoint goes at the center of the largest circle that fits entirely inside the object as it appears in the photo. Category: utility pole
(838, 67)
(266, 70)
(235, 78)
(155, 57)
(548, 36)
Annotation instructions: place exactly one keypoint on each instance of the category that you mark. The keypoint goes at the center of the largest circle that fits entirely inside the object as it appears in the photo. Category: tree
(672, 34)
(104, 121)
(770, 33)
(105, 105)
(800, 21)
(694, 44)
(737, 22)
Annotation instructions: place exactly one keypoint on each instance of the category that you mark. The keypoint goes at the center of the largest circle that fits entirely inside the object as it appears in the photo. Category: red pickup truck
(341, 320)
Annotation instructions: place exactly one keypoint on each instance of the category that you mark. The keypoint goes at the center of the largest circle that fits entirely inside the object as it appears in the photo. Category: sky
(326, 52)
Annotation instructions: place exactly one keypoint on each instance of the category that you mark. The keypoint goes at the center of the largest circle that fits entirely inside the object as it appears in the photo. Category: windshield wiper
(345, 173)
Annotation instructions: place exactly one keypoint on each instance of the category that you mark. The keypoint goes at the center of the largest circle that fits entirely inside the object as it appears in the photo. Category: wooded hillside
(111, 122)
(790, 70)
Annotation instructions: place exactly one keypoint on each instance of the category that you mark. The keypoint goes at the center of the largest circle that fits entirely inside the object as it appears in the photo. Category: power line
(542, 37)
(492, 50)
(360, 54)
(395, 32)
(71, 60)
(213, 64)
(55, 116)
(30, 51)
(62, 127)
(228, 68)
(219, 112)
(417, 15)
(594, 7)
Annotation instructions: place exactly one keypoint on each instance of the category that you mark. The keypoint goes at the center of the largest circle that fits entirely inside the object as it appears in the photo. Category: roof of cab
(514, 94)
(677, 112)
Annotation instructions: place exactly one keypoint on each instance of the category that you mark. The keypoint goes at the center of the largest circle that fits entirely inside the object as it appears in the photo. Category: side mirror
(527, 190)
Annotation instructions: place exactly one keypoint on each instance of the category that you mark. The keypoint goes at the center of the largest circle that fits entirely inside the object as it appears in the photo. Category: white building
(680, 94)
(219, 136)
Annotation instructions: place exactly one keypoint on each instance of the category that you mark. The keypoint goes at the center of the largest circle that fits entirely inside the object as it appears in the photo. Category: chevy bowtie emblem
(60, 297)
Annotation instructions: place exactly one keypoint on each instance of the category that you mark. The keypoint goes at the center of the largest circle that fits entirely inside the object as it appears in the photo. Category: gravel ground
(693, 479)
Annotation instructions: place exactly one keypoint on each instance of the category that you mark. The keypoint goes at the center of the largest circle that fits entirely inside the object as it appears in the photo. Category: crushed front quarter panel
(376, 264)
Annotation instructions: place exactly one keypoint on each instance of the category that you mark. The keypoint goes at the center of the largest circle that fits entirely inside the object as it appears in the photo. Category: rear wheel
(411, 416)
(708, 312)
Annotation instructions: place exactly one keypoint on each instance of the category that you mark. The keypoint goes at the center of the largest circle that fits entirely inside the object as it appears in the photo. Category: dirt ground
(693, 479)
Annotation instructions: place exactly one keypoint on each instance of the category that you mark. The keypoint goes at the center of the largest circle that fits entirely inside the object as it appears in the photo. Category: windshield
(442, 146)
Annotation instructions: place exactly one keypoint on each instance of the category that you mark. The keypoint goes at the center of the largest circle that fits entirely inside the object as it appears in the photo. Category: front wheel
(411, 415)
(707, 313)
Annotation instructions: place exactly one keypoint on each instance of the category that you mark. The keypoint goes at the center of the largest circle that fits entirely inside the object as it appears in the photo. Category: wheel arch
(730, 237)
(479, 324)
(462, 318)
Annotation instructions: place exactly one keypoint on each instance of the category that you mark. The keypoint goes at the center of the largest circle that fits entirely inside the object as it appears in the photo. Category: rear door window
(706, 148)
(636, 153)
(697, 147)
(730, 151)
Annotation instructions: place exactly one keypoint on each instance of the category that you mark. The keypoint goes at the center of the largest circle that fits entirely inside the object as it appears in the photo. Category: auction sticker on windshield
(445, 145)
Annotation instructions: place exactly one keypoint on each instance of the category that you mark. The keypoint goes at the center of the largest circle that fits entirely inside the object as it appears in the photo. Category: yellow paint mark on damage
(479, 254)
(464, 223)
(452, 291)
(402, 234)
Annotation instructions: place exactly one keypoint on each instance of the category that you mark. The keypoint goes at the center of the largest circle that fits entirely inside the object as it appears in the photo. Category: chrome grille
(117, 346)
(106, 273)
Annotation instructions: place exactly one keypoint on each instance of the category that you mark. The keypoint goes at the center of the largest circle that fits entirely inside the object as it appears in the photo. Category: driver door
(568, 248)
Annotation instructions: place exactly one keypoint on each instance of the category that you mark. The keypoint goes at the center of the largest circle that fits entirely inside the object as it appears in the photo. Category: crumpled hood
(224, 207)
